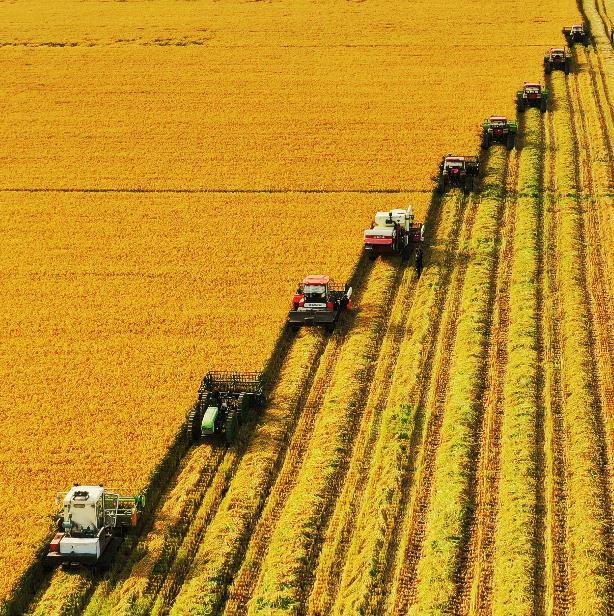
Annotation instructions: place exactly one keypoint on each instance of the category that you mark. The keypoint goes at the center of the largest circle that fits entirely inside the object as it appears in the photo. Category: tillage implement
(395, 233)
(225, 400)
(557, 58)
(532, 95)
(458, 172)
(498, 129)
(319, 301)
(91, 525)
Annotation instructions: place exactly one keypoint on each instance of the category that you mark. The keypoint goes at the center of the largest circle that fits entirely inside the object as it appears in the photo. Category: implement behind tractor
(457, 171)
(91, 525)
(498, 129)
(225, 400)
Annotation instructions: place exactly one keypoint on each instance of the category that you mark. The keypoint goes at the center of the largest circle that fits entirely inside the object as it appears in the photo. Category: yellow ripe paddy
(171, 169)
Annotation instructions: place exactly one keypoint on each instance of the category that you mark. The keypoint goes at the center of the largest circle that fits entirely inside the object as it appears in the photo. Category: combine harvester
(319, 301)
(395, 233)
(457, 172)
(498, 129)
(557, 58)
(532, 95)
(579, 33)
(225, 400)
(91, 526)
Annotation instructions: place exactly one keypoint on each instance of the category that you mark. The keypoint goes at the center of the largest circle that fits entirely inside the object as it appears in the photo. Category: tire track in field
(436, 372)
(249, 572)
(343, 520)
(557, 576)
(475, 576)
(597, 299)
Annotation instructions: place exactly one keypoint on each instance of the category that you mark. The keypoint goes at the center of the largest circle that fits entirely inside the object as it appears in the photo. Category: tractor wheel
(520, 106)
(469, 184)
(419, 262)
(372, 256)
(511, 141)
(193, 429)
(547, 68)
(242, 408)
(330, 327)
(486, 141)
(543, 105)
(567, 67)
(441, 185)
(231, 426)
(406, 253)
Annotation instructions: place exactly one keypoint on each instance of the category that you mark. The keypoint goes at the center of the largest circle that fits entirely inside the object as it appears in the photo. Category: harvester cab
(91, 525)
(557, 58)
(319, 301)
(225, 400)
(457, 171)
(577, 34)
(532, 95)
(498, 129)
(395, 233)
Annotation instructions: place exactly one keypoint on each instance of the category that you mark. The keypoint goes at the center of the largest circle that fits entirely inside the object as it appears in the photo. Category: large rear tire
(520, 106)
(419, 262)
(486, 140)
(511, 141)
(543, 105)
(231, 426)
(193, 427)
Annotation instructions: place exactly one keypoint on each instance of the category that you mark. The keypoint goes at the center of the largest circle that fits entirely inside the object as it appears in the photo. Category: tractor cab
(532, 90)
(454, 164)
(498, 124)
(318, 300)
(83, 511)
(557, 53)
(577, 29)
(314, 292)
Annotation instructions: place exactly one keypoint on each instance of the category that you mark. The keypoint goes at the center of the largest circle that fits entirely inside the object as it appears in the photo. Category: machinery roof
(93, 493)
(529, 84)
(557, 49)
(316, 279)
(502, 118)
(581, 26)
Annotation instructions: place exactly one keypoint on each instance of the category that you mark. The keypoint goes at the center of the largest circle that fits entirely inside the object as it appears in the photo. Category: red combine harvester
(395, 233)
(319, 301)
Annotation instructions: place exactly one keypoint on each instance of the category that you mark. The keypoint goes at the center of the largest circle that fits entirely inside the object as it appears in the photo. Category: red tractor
(319, 301)
(395, 233)
(532, 95)
(557, 58)
(457, 171)
(577, 34)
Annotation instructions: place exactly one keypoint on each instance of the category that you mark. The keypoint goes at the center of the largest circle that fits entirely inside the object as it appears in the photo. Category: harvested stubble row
(65, 595)
(515, 558)
(221, 545)
(291, 550)
(451, 496)
(587, 523)
(360, 585)
(342, 524)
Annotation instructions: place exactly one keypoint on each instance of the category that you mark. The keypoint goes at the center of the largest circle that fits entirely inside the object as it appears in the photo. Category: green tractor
(532, 95)
(225, 400)
(498, 129)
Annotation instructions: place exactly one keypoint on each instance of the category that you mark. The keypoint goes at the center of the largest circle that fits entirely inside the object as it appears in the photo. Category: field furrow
(557, 569)
(476, 569)
(432, 543)
(588, 486)
(342, 524)
(247, 576)
(361, 584)
(516, 561)
(292, 550)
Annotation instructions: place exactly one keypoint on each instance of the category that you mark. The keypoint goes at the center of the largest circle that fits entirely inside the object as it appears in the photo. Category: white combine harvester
(395, 233)
(91, 525)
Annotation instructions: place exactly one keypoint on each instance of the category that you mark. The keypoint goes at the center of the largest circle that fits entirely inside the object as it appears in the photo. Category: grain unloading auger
(225, 400)
(91, 525)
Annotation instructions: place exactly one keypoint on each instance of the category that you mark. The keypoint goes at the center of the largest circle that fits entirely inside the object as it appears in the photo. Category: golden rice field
(171, 169)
